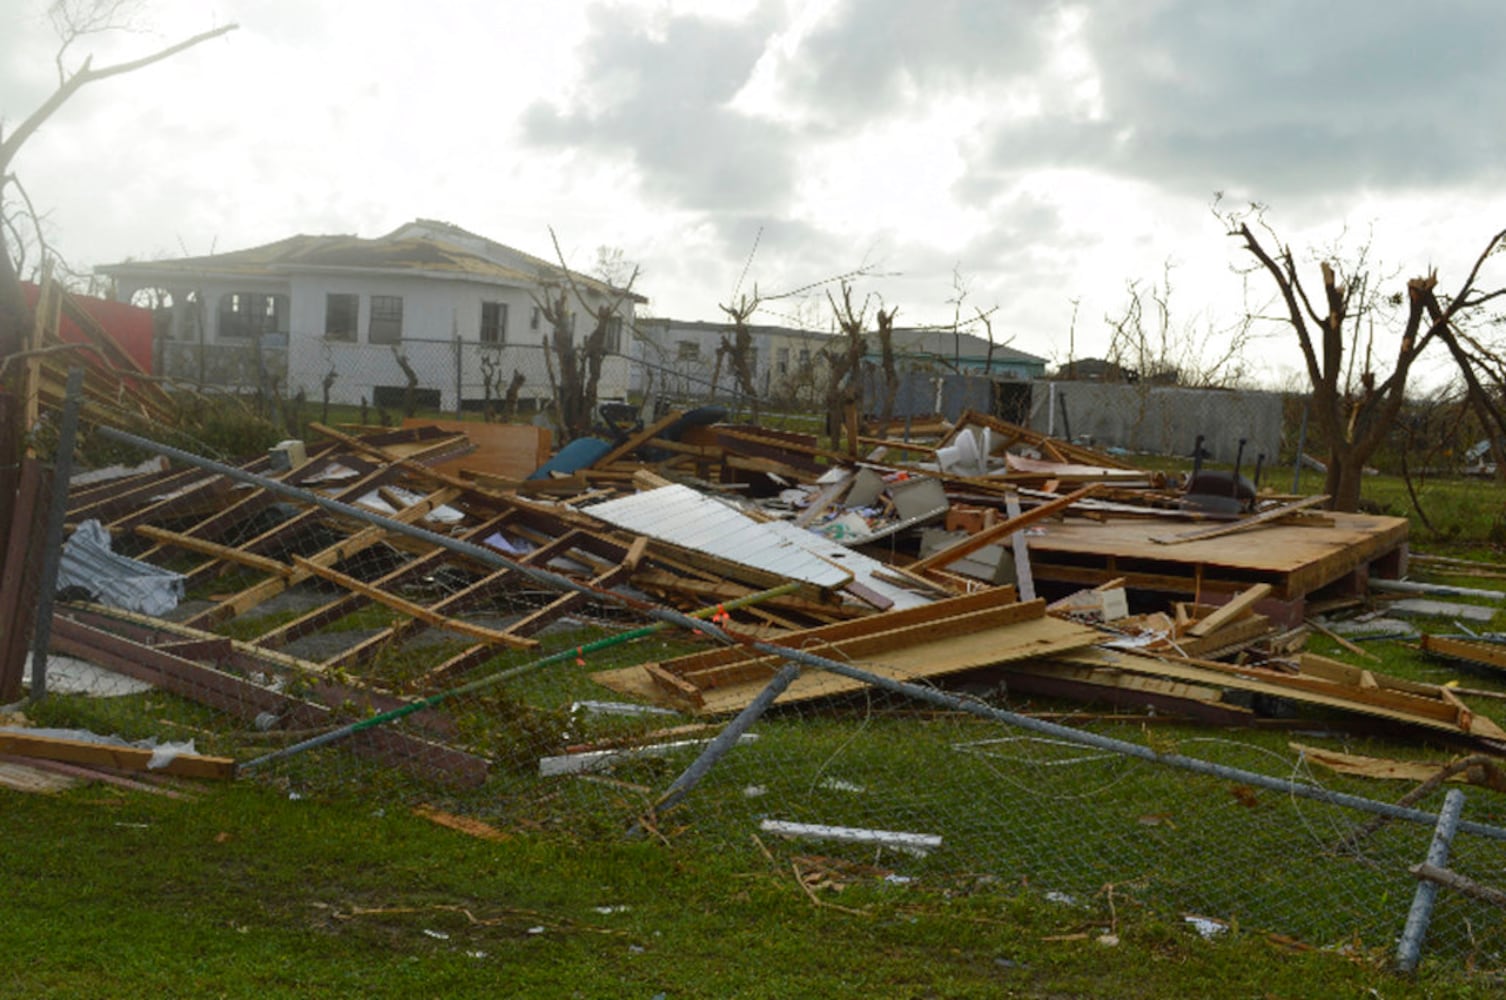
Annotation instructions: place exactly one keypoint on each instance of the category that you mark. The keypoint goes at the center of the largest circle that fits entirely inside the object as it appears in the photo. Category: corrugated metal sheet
(681, 516)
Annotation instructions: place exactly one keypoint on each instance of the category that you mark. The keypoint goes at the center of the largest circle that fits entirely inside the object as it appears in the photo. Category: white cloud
(1051, 152)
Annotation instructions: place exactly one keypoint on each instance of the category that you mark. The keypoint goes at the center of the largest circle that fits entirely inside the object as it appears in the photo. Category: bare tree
(887, 368)
(74, 20)
(575, 369)
(1155, 348)
(1353, 405)
(844, 364)
(739, 349)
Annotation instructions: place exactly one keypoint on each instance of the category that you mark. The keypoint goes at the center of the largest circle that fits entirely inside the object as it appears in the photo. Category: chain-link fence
(412, 376)
(352, 625)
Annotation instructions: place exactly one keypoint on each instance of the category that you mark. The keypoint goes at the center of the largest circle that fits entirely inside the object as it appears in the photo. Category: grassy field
(1064, 876)
(245, 893)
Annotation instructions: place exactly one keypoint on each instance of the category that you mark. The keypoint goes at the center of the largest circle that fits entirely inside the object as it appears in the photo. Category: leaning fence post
(52, 541)
(1422, 901)
(724, 741)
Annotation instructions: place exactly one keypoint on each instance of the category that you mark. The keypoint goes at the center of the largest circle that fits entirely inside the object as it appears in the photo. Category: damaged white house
(457, 310)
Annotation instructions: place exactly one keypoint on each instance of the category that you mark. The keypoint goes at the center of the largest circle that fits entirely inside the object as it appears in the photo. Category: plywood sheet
(1295, 559)
(509, 450)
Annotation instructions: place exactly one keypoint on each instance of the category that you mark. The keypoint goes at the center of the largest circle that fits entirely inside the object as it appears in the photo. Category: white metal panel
(681, 516)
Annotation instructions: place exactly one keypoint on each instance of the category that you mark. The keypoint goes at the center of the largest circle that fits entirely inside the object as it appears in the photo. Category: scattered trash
(918, 844)
(1208, 927)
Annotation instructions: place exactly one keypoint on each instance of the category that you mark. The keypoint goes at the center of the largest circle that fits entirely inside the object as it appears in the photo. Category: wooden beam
(633, 442)
(221, 552)
(1244, 523)
(411, 609)
(245, 600)
(1238, 606)
(999, 531)
(123, 758)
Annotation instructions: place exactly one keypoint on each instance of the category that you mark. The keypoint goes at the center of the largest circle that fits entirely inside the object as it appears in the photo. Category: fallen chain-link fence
(337, 631)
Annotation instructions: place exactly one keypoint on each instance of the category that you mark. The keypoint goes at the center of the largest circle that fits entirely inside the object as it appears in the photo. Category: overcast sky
(1049, 154)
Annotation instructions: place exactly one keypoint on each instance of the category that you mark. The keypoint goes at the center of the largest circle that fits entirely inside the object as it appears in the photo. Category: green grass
(248, 892)
(245, 893)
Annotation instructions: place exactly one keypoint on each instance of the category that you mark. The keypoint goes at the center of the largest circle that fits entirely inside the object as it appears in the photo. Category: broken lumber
(123, 758)
(999, 531)
(1254, 520)
(1236, 608)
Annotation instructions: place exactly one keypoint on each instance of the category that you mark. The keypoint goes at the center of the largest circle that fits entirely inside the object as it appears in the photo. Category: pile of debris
(978, 548)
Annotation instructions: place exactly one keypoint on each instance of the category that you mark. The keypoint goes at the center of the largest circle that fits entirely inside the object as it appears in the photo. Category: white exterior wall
(436, 310)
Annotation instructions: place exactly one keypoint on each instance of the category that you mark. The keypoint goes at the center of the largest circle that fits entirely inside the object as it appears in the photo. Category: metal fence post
(724, 742)
(52, 551)
(1410, 948)
(459, 372)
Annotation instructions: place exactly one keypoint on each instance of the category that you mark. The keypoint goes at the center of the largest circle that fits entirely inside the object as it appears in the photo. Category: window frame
(351, 300)
(493, 332)
(382, 327)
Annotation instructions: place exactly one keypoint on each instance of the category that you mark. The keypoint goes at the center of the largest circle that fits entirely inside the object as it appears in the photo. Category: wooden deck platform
(1294, 558)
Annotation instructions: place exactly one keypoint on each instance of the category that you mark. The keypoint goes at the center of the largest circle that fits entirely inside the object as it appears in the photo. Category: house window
(386, 324)
(494, 322)
(251, 314)
(340, 312)
(614, 335)
(533, 321)
(689, 350)
(805, 359)
(782, 360)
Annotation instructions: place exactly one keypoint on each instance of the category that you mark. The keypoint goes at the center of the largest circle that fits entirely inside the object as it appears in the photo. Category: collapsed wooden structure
(1059, 518)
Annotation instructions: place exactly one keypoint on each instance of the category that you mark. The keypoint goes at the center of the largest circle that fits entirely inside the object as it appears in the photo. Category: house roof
(908, 341)
(947, 344)
(412, 248)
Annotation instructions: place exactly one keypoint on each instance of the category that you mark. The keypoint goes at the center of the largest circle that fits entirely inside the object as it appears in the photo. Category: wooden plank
(511, 450)
(637, 440)
(1041, 637)
(996, 597)
(1230, 637)
(1486, 654)
(22, 567)
(1347, 696)
(155, 636)
(999, 531)
(671, 683)
(122, 758)
(1017, 545)
(877, 642)
(45, 320)
(1235, 608)
(1243, 524)
(1319, 627)
(244, 700)
(348, 603)
(245, 600)
(224, 553)
(824, 498)
(413, 610)
(911, 651)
